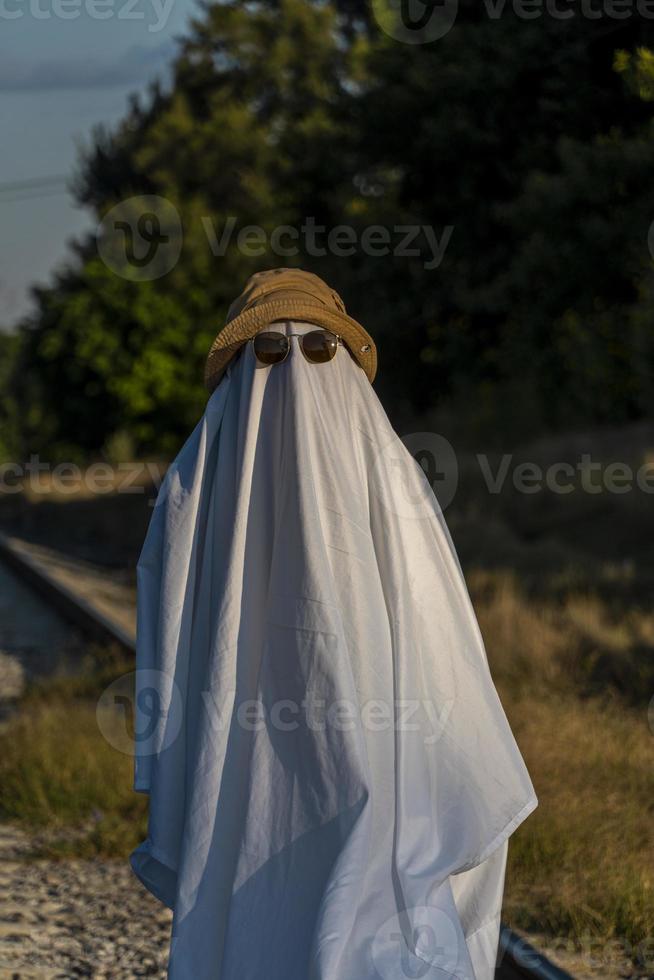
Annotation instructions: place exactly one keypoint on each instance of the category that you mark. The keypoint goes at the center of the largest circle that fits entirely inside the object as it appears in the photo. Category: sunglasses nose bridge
(293, 345)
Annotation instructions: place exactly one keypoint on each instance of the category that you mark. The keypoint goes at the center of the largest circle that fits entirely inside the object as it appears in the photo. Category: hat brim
(243, 327)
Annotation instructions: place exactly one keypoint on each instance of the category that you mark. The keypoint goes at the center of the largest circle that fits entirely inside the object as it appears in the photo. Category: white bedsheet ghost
(332, 777)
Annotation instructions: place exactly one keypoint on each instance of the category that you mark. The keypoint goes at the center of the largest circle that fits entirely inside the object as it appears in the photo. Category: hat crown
(261, 285)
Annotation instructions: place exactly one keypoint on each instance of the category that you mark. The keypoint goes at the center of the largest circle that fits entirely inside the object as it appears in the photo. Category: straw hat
(286, 294)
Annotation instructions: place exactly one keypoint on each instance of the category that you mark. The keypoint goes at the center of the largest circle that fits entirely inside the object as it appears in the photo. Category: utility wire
(24, 190)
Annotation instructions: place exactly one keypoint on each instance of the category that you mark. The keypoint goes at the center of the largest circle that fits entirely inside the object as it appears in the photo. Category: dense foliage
(531, 140)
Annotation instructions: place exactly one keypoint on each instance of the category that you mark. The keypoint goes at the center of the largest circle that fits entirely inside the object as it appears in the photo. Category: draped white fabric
(332, 777)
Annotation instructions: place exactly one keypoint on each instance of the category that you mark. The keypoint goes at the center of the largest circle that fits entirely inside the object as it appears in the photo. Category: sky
(65, 65)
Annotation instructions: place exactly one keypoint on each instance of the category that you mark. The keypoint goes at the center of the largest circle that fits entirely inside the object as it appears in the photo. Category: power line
(19, 185)
(25, 190)
(32, 197)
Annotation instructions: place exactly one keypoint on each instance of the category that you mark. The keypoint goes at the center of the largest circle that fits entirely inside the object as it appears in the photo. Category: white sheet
(351, 823)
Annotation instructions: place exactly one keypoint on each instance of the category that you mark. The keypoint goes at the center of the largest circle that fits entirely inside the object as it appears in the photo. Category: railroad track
(58, 583)
(517, 959)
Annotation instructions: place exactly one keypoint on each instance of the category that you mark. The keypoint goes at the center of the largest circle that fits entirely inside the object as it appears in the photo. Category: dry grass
(583, 864)
(61, 777)
(578, 642)
(524, 639)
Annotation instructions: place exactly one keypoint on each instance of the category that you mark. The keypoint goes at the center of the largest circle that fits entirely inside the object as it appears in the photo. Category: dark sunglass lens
(271, 347)
(319, 345)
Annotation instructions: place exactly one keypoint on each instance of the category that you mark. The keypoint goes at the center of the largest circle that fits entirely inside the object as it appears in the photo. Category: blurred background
(476, 180)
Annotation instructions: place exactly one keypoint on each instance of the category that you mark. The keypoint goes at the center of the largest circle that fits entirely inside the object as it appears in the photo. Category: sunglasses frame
(339, 343)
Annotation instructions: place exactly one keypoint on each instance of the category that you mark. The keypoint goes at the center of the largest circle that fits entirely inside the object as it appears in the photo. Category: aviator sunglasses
(318, 346)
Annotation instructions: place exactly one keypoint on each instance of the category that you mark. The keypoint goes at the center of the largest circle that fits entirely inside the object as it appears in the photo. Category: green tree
(9, 407)
(531, 139)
